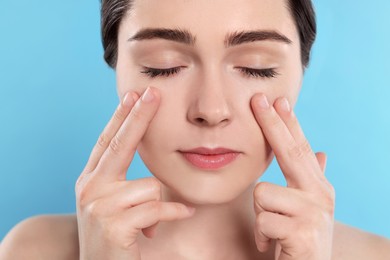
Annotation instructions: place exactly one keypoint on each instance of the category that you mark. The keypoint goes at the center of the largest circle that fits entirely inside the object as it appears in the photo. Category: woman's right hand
(111, 211)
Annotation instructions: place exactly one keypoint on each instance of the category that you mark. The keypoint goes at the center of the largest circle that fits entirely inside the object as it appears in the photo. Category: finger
(124, 228)
(271, 225)
(322, 159)
(283, 200)
(283, 108)
(256, 205)
(150, 213)
(295, 159)
(110, 130)
(272, 125)
(120, 152)
(263, 243)
(126, 195)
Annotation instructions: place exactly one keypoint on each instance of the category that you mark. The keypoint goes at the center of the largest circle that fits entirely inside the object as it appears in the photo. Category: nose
(209, 105)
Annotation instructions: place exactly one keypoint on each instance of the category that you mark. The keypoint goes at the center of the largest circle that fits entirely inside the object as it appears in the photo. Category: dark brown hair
(113, 11)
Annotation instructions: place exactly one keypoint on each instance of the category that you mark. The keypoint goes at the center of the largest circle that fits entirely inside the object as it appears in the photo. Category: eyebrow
(232, 39)
(176, 35)
(241, 37)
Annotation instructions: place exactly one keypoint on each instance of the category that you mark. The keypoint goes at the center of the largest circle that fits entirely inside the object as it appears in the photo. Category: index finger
(110, 130)
(293, 152)
(117, 158)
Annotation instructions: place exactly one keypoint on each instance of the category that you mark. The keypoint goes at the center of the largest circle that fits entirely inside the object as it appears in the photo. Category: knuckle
(260, 194)
(102, 140)
(94, 209)
(261, 189)
(260, 220)
(137, 114)
(305, 238)
(116, 145)
(81, 199)
(119, 114)
(154, 185)
(78, 187)
(82, 190)
(180, 209)
(330, 201)
(155, 207)
(327, 198)
(305, 231)
(299, 151)
(115, 235)
(125, 244)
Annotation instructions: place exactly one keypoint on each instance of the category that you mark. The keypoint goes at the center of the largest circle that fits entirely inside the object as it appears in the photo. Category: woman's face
(222, 52)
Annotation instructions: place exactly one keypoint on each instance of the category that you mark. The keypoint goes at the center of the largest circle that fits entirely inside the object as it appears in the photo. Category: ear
(322, 158)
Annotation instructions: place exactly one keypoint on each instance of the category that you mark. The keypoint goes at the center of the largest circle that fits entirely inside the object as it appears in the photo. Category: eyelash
(258, 73)
(152, 72)
(249, 72)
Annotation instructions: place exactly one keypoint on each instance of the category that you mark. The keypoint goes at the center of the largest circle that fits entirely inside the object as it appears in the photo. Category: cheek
(167, 126)
(129, 78)
(288, 87)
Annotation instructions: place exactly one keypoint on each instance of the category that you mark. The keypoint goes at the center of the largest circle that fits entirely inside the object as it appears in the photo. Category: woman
(207, 94)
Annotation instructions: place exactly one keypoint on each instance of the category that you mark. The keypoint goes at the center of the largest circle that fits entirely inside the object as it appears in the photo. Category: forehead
(210, 18)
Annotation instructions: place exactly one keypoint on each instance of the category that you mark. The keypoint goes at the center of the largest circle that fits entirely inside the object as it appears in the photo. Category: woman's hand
(300, 216)
(111, 210)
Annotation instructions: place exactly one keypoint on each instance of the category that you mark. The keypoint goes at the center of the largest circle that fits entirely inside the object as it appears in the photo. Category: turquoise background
(57, 94)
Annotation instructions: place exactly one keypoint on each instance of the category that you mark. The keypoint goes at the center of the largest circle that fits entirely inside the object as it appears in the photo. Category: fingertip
(150, 94)
(282, 104)
(127, 100)
(262, 246)
(260, 101)
(185, 211)
(135, 96)
(322, 160)
(155, 90)
(191, 210)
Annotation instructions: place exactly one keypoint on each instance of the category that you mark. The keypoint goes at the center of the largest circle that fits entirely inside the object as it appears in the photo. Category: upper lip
(209, 151)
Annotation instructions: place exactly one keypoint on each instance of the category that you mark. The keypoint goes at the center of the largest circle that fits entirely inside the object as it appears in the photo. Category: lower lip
(210, 162)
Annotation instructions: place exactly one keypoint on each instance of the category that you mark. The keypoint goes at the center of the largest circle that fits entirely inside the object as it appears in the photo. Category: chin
(205, 188)
(203, 195)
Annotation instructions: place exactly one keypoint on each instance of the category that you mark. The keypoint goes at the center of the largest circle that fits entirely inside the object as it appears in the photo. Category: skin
(185, 212)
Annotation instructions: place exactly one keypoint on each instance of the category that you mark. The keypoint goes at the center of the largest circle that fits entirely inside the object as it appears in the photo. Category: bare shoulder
(352, 243)
(42, 237)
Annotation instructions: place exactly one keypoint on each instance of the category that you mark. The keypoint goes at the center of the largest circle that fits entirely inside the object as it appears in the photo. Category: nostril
(200, 120)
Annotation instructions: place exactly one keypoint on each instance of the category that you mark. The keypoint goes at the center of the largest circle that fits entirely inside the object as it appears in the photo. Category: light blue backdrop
(56, 95)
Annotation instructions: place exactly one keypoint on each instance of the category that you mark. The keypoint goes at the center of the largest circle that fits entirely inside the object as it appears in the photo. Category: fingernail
(148, 96)
(135, 96)
(263, 102)
(285, 105)
(191, 210)
(127, 100)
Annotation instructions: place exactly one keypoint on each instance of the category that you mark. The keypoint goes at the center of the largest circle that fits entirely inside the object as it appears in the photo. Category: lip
(210, 159)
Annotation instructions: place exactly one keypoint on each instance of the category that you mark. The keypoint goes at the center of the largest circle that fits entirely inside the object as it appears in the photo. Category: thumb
(322, 158)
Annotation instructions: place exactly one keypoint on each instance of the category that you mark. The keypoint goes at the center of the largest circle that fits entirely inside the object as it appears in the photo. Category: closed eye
(249, 72)
(153, 72)
(258, 73)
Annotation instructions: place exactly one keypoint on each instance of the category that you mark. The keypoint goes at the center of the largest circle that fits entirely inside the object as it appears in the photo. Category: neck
(221, 231)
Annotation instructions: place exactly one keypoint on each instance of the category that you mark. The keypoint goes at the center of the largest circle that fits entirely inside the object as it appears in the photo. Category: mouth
(210, 159)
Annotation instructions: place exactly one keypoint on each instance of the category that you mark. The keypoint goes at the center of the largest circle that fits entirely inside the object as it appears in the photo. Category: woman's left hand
(298, 217)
